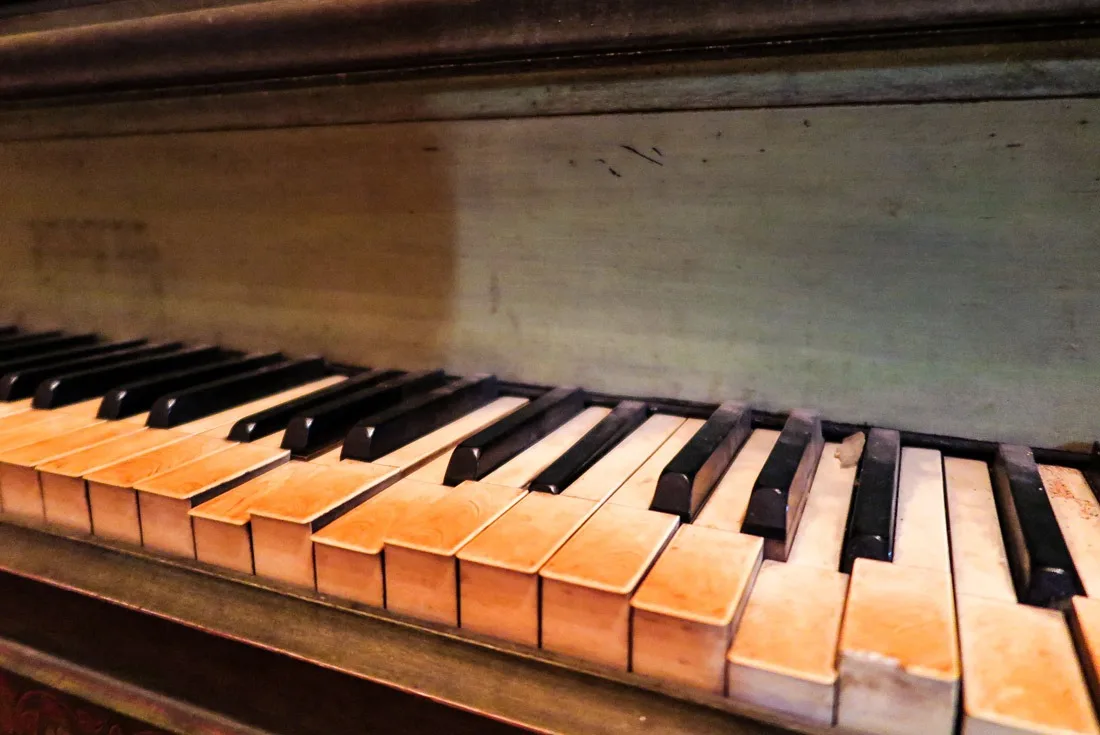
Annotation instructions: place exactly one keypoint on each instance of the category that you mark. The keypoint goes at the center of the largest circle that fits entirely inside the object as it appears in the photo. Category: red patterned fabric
(29, 708)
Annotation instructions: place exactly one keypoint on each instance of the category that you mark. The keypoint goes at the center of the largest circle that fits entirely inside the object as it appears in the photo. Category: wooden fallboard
(517, 685)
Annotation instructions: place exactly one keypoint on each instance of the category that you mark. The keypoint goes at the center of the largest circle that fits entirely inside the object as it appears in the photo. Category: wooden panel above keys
(498, 570)
(165, 500)
(312, 495)
(686, 609)
(587, 584)
(348, 551)
(421, 572)
(20, 488)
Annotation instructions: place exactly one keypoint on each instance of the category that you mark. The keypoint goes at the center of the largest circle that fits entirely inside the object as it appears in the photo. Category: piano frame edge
(972, 71)
(557, 694)
(138, 703)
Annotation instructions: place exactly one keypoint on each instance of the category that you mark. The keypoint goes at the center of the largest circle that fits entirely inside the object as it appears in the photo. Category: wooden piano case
(888, 212)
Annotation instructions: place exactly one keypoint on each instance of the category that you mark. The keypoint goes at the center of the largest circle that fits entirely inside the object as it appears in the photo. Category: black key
(17, 339)
(779, 494)
(1092, 471)
(600, 439)
(67, 354)
(871, 517)
(140, 395)
(1042, 568)
(23, 383)
(276, 418)
(190, 404)
(45, 345)
(8, 329)
(382, 433)
(322, 426)
(687, 481)
(494, 445)
(85, 384)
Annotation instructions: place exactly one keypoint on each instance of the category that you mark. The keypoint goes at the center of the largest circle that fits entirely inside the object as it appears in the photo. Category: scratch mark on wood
(614, 172)
(494, 293)
(657, 151)
(638, 153)
(1014, 145)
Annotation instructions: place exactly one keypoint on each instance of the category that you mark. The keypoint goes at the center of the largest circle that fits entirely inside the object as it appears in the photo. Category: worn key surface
(870, 532)
(978, 561)
(429, 455)
(725, 509)
(421, 572)
(617, 466)
(64, 491)
(779, 495)
(20, 489)
(67, 498)
(480, 454)
(1020, 671)
(165, 500)
(1084, 617)
(637, 491)
(498, 569)
(1042, 568)
(313, 495)
(588, 583)
(783, 657)
(601, 439)
(687, 480)
(1078, 515)
(898, 656)
(525, 466)
(686, 609)
(348, 551)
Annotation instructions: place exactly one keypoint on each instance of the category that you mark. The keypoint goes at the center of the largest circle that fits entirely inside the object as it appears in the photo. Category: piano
(497, 367)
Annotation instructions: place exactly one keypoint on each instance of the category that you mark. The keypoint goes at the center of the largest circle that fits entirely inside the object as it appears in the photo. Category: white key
(898, 656)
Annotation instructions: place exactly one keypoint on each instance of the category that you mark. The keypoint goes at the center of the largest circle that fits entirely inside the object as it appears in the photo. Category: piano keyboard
(838, 577)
